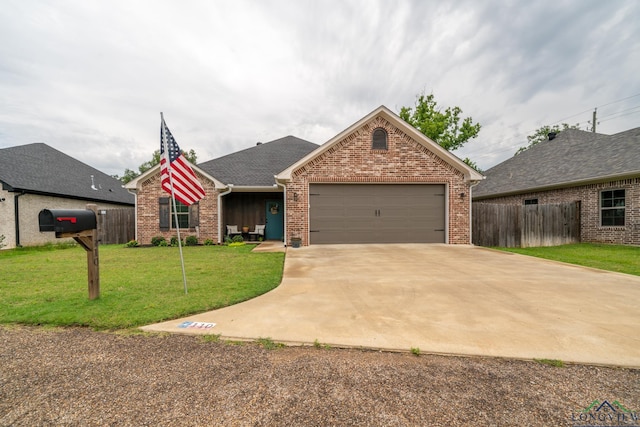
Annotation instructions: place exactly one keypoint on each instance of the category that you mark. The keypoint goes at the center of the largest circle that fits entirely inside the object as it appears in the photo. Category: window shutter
(194, 215)
(164, 213)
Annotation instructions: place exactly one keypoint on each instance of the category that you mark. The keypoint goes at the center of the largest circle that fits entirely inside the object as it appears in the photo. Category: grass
(48, 285)
(268, 343)
(551, 362)
(619, 258)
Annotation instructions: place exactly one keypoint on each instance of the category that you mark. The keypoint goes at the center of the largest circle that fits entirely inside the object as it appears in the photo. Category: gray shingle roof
(574, 156)
(38, 168)
(256, 166)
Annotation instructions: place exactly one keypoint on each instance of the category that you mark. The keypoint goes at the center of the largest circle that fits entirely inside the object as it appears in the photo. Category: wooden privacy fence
(525, 225)
(116, 226)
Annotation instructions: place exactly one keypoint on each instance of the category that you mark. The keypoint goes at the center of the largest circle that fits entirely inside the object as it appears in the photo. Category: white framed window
(182, 212)
(188, 216)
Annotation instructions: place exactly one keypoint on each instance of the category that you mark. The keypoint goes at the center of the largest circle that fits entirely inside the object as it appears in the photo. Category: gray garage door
(377, 213)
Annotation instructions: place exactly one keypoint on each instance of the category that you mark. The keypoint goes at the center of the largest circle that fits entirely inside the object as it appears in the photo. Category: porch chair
(257, 232)
(232, 230)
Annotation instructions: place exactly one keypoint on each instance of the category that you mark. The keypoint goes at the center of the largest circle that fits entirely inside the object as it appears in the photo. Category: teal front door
(275, 220)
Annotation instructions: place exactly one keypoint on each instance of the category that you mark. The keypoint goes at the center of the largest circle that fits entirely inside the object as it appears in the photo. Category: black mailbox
(66, 220)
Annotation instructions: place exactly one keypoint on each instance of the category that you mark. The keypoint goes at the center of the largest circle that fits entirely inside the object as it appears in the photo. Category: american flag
(186, 186)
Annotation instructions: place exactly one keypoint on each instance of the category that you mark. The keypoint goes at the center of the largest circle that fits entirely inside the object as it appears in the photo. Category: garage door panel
(377, 213)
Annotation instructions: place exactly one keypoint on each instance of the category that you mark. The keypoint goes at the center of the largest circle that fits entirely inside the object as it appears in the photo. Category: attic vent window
(379, 139)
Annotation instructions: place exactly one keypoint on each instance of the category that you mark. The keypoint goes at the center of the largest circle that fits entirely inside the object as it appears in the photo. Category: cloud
(90, 78)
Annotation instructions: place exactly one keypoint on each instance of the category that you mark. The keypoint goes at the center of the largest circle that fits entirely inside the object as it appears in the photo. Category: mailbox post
(82, 226)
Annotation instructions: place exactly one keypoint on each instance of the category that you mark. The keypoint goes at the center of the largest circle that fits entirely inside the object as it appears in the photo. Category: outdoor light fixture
(295, 197)
(462, 195)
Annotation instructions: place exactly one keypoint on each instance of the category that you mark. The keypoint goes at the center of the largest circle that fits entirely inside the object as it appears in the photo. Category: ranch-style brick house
(602, 172)
(37, 176)
(378, 181)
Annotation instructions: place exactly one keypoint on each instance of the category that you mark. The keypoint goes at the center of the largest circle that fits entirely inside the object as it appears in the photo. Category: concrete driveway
(441, 299)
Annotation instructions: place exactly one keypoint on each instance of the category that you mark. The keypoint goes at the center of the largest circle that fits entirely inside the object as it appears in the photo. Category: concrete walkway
(441, 299)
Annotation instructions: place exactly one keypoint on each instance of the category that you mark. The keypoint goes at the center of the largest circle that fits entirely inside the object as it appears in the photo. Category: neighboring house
(602, 172)
(36, 177)
(378, 181)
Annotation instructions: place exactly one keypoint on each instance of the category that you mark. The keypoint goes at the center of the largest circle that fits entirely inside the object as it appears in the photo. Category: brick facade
(351, 160)
(589, 196)
(148, 218)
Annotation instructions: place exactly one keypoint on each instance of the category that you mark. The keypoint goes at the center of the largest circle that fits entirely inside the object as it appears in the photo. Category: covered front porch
(252, 207)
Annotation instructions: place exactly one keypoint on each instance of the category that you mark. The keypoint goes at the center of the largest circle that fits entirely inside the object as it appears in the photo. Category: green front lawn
(623, 259)
(48, 285)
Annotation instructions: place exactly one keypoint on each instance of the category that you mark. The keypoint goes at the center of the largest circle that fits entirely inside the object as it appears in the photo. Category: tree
(473, 164)
(542, 134)
(130, 175)
(444, 127)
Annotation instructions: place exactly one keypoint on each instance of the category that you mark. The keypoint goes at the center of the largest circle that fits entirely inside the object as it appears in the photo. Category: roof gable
(572, 158)
(469, 173)
(41, 169)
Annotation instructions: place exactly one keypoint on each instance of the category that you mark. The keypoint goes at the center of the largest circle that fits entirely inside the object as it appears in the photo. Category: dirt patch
(79, 377)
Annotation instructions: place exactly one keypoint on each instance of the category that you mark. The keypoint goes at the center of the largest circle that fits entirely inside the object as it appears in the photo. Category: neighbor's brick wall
(148, 219)
(352, 160)
(589, 196)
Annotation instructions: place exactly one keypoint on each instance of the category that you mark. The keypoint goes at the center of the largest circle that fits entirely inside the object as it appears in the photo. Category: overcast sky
(90, 78)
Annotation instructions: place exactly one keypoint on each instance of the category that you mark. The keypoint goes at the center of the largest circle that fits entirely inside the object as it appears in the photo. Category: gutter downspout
(16, 209)
(220, 231)
(286, 208)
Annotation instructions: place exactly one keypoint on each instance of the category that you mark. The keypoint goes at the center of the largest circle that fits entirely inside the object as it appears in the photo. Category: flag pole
(173, 197)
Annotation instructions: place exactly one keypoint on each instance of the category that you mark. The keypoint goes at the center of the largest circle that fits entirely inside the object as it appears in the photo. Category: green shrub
(157, 240)
(191, 241)
(237, 239)
(209, 242)
(132, 244)
(163, 243)
(174, 241)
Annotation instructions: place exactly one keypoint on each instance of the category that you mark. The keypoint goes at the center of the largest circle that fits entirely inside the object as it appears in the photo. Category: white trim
(470, 174)
(284, 213)
(446, 213)
(219, 207)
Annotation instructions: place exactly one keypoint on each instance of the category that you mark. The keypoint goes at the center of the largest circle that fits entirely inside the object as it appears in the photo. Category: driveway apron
(450, 299)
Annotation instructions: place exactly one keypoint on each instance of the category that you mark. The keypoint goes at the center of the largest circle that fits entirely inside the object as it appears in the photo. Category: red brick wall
(352, 160)
(589, 196)
(148, 220)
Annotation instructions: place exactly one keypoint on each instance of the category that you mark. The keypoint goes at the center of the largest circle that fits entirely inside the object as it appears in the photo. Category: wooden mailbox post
(82, 226)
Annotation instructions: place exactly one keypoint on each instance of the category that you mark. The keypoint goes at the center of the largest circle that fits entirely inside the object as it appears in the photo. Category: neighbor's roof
(257, 166)
(574, 157)
(40, 169)
(382, 111)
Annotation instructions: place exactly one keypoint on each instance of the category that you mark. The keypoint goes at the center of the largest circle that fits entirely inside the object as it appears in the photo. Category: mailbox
(67, 220)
